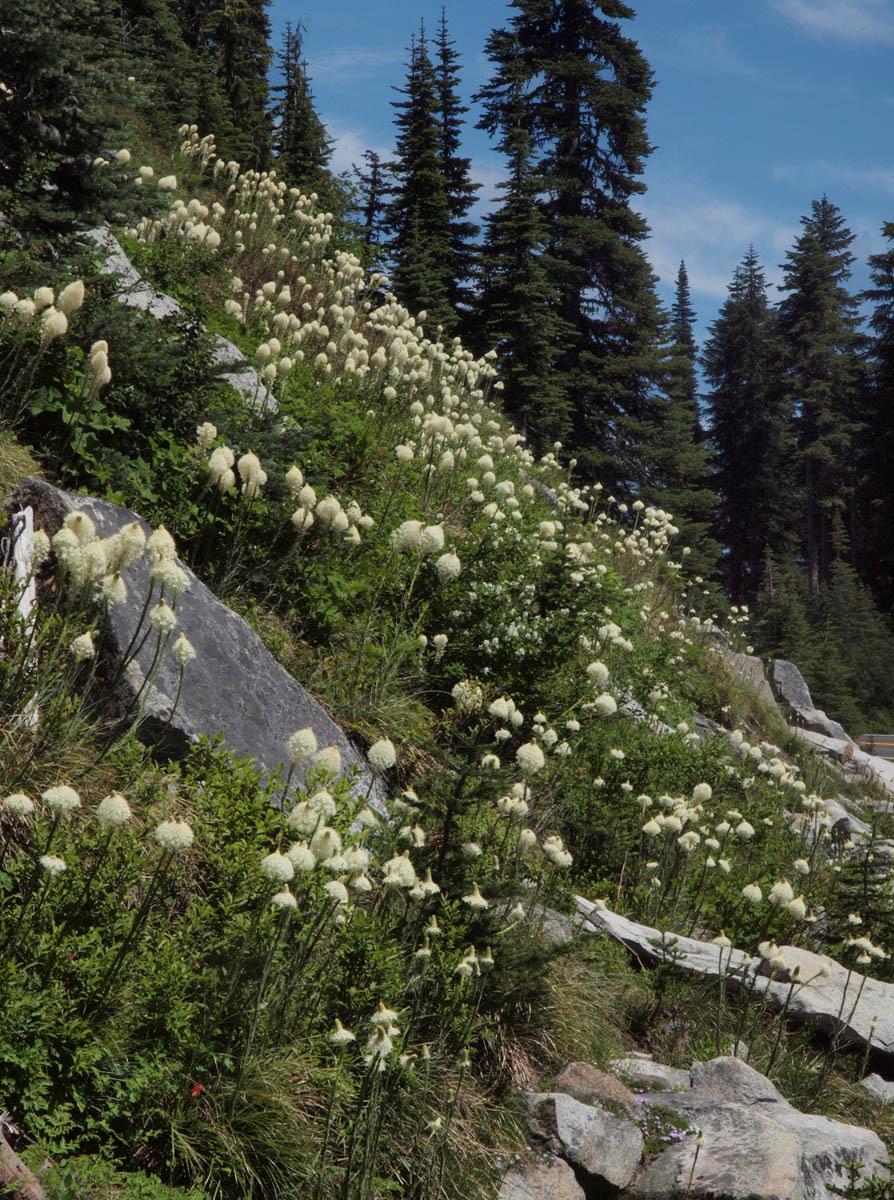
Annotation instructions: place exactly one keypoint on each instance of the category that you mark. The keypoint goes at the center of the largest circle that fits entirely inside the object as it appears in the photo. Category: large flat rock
(815, 988)
(756, 1150)
(234, 687)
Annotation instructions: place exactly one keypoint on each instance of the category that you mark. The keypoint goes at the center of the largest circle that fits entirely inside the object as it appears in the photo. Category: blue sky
(760, 106)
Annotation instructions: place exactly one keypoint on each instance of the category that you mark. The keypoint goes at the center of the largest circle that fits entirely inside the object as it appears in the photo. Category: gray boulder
(757, 1147)
(606, 1147)
(881, 1089)
(791, 690)
(653, 1075)
(550, 1179)
(234, 687)
(749, 669)
(729, 1078)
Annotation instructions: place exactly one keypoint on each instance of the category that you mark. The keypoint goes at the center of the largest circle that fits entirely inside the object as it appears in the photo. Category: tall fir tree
(418, 213)
(231, 38)
(460, 189)
(877, 436)
(818, 330)
(301, 146)
(748, 432)
(586, 86)
(519, 302)
(674, 459)
(373, 185)
(682, 330)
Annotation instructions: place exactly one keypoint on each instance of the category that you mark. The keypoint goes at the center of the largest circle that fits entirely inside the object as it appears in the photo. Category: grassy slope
(540, 597)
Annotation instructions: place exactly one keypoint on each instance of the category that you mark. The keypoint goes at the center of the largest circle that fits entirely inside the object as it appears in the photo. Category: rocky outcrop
(744, 1141)
(234, 687)
(793, 694)
(605, 1148)
(813, 988)
(228, 362)
(749, 669)
(730, 1135)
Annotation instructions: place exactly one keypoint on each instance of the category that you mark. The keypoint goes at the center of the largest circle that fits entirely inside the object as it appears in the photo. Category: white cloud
(349, 145)
(352, 63)
(845, 20)
(822, 172)
(711, 233)
(704, 48)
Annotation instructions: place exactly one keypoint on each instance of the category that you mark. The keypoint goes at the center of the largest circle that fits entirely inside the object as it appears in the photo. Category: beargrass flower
(53, 865)
(598, 673)
(448, 567)
(652, 828)
(167, 183)
(302, 519)
(19, 804)
(431, 540)
(341, 1036)
(329, 759)
(71, 297)
(162, 618)
(781, 893)
(54, 323)
(336, 891)
(752, 893)
(325, 843)
(113, 811)
(323, 803)
(382, 756)
(80, 524)
(277, 867)
(283, 899)
(82, 647)
(744, 831)
(407, 537)
(301, 856)
(530, 758)
(183, 651)
(61, 799)
(802, 866)
(474, 899)
(301, 745)
(797, 908)
(701, 793)
(174, 836)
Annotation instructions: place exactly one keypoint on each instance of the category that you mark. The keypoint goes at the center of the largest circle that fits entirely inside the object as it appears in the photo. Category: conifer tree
(301, 146)
(586, 86)
(418, 214)
(674, 461)
(877, 437)
(682, 332)
(231, 38)
(519, 302)
(460, 189)
(748, 431)
(373, 184)
(818, 328)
